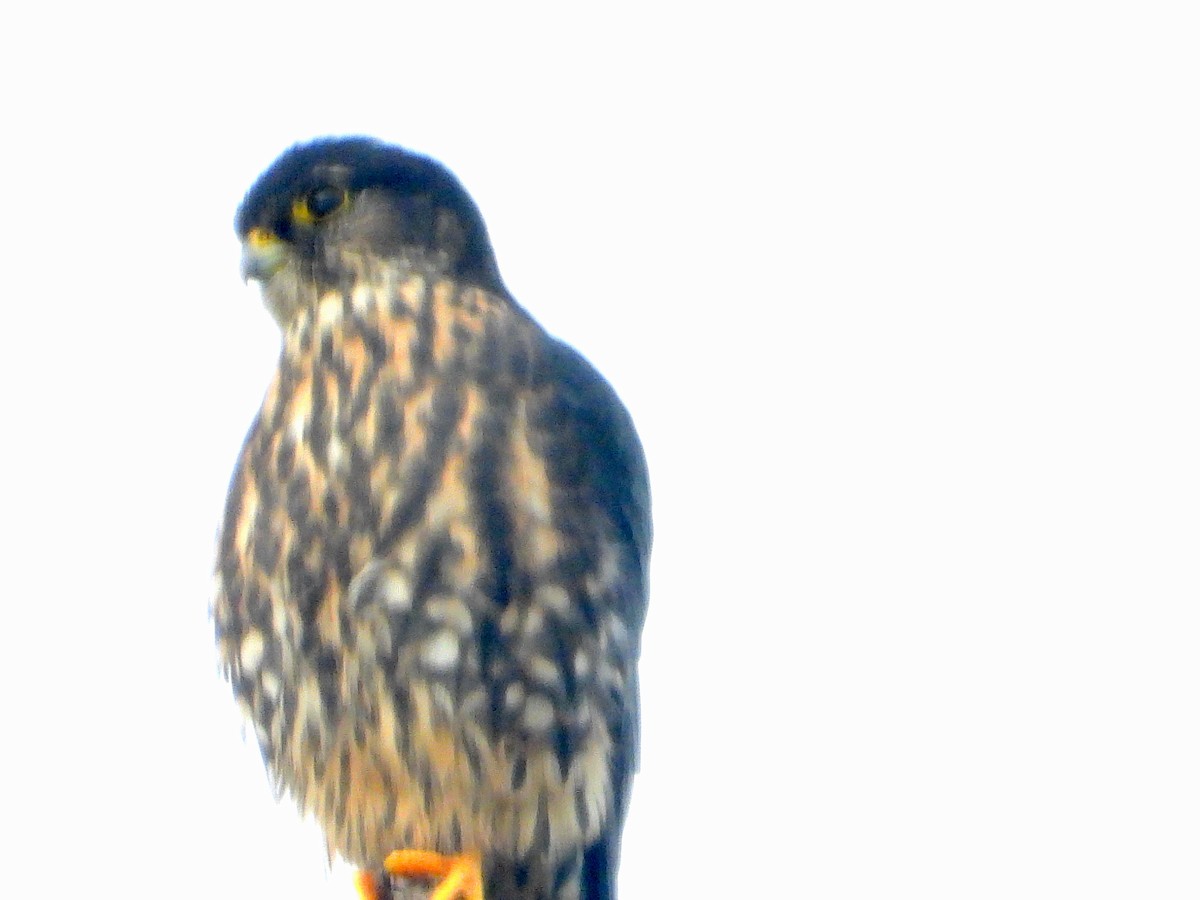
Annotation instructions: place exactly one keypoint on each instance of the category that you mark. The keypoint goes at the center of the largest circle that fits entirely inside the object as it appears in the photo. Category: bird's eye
(318, 203)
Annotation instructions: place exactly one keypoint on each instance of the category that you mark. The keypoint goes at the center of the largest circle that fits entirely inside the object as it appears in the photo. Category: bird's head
(329, 210)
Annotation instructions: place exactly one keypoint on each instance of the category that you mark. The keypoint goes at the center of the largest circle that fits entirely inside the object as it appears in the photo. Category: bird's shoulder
(592, 417)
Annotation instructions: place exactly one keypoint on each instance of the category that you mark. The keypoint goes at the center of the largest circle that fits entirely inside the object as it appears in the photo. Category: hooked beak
(263, 254)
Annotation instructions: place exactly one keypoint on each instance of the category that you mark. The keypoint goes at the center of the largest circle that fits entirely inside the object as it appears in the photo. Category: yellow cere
(259, 238)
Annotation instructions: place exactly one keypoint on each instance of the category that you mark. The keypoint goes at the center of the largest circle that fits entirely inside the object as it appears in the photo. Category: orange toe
(367, 885)
(461, 876)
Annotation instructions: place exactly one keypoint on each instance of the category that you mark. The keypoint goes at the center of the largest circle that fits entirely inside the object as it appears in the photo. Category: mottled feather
(433, 569)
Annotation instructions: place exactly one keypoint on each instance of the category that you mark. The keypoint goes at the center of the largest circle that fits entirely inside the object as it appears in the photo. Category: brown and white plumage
(432, 574)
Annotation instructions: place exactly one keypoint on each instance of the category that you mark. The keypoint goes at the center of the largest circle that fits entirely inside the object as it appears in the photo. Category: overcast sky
(902, 297)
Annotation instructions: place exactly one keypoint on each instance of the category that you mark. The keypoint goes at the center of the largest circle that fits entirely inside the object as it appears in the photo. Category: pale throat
(291, 297)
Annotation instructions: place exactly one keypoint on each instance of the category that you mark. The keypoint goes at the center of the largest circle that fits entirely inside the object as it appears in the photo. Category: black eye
(318, 203)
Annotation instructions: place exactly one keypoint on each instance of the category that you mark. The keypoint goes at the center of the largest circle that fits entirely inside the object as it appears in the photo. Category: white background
(903, 298)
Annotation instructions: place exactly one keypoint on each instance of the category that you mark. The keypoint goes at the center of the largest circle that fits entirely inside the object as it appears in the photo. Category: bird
(432, 572)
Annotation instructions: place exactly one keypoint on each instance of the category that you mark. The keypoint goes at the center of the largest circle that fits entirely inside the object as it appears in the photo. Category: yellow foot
(461, 876)
(368, 886)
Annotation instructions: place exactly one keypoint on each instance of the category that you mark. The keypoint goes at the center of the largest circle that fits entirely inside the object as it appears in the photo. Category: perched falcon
(432, 573)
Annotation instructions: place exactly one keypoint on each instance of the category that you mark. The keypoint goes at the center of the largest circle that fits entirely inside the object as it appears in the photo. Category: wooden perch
(410, 889)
